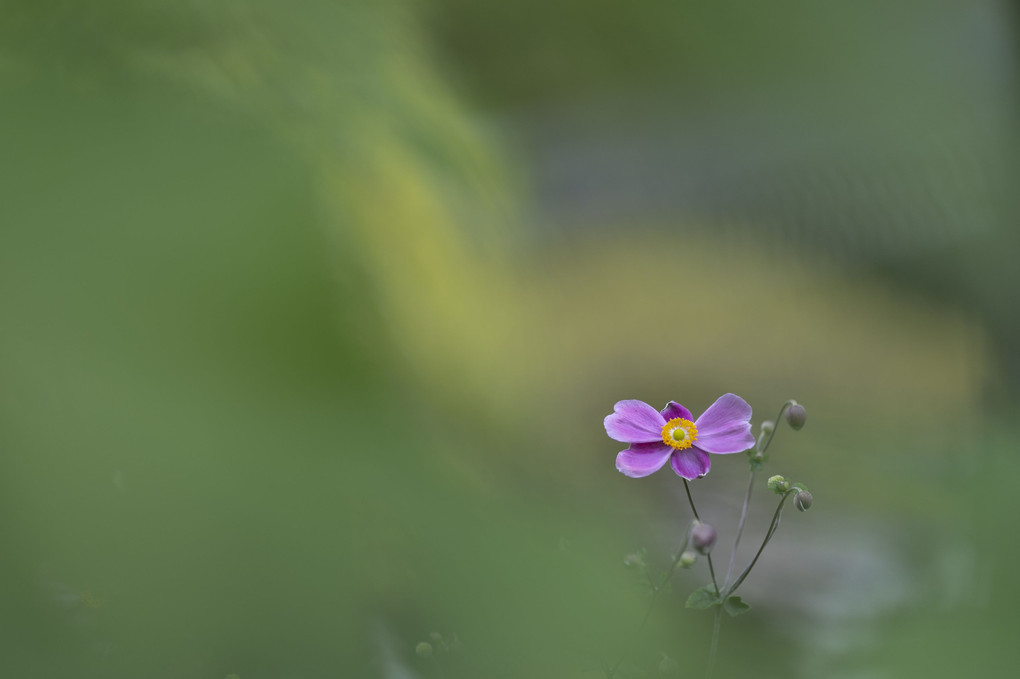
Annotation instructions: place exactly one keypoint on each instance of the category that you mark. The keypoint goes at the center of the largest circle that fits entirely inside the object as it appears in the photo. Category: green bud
(802, 500)
(778, 484)
(687, 559)
(796, 415)
(767, 426)
(423, 649)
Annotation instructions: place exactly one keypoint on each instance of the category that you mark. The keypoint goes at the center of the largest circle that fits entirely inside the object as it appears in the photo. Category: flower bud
(796, 415)
(423, 649)
(634, 560)
(802, 500)
(778, 484)
(703, 537)
(767, 426)
(687, 559)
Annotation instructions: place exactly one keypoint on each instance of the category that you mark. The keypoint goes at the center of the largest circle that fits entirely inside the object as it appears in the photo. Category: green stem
(690, 499)
(768, 442)
(708, 557)
(768, 536)
(715, 642)
(740, 529)
(762, 445)
(711, 569)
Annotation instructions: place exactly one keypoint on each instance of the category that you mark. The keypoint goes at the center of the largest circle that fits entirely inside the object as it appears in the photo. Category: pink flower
(675, 435)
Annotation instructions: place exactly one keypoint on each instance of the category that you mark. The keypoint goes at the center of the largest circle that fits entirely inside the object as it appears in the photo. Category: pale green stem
(740, 530)
(715, 642)
(768, 536)
(760, 448)
(708, 557)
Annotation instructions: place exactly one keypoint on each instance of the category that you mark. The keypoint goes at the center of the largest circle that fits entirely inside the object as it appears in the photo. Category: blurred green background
(310, 313)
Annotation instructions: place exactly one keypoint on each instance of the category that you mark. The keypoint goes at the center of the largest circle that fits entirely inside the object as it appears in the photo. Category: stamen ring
(679, 433)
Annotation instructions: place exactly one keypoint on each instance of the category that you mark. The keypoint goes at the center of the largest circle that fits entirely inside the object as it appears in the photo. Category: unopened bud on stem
(796, 416)
(803, 500)
(778, 484)
(703, 537)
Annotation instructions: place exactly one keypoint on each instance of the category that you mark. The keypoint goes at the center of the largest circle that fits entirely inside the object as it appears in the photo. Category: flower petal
(642, 459)
(674, 410)
(726, 426)
(691, 463)
(634, 422)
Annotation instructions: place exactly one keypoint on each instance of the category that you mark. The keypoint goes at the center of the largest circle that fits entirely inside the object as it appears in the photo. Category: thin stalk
(708, 557)
(775, 426)
(768, 536)
(762, 445)
(690, 499)
(711, 569)
(715, 642)
(740, 529)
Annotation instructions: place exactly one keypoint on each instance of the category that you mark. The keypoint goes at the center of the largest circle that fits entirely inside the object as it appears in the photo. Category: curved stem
(761, 446)
(740, 529)
(708, 557)
(768, 536)
(768, 441)
(690, 499)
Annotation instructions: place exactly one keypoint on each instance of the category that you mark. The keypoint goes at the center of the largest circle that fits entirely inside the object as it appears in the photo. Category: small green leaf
(756, 465)
(735, 606)
(703, 597)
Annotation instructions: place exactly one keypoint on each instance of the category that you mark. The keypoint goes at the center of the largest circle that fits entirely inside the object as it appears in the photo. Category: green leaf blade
(703, 597)
(735, 606)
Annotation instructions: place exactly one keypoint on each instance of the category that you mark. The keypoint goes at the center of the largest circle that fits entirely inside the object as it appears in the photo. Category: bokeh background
(310, 313)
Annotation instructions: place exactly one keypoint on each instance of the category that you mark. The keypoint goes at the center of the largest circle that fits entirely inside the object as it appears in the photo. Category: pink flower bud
(703, 537)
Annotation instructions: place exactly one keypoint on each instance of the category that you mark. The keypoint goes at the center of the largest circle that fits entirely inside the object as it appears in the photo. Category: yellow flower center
(679, 433)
